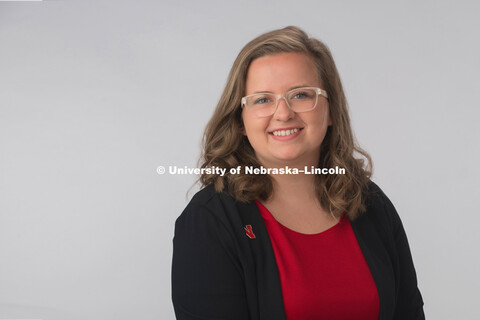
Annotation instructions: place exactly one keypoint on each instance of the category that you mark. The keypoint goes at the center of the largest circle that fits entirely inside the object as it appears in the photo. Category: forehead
(281, 72)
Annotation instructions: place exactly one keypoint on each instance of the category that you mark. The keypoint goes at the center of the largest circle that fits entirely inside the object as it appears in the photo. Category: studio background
(94, 95)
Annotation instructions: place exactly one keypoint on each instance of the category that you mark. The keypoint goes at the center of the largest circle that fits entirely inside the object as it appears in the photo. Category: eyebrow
(291, 88)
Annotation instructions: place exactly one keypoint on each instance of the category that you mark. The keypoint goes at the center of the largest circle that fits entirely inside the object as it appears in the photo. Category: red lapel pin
(249, 232)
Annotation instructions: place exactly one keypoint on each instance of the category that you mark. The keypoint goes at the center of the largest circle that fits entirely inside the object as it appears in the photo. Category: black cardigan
(220, 273)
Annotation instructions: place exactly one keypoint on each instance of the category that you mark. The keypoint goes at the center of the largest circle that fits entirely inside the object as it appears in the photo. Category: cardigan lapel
(369, 240)
(270, 300)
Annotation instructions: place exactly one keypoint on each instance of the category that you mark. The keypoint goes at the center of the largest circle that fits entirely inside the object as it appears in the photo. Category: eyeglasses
(299, 100)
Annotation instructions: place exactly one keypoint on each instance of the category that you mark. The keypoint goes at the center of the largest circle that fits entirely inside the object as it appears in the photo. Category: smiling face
(286, 137)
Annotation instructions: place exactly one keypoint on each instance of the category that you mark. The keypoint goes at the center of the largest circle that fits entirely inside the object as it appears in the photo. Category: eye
(301, 95)
(261, 100)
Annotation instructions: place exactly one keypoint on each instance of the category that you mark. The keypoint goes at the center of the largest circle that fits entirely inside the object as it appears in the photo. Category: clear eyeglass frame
(318, 91)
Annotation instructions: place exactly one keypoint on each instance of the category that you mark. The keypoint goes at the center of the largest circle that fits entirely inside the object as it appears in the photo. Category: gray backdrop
(94, 95)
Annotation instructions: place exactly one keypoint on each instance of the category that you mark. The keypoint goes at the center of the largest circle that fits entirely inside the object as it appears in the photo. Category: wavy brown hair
(225, 146)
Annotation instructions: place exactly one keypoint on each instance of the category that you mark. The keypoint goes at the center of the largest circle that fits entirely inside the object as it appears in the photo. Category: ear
(329, 114)
(329, 119)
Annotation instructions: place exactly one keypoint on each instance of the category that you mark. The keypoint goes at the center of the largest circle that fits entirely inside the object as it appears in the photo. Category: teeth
(283, 133)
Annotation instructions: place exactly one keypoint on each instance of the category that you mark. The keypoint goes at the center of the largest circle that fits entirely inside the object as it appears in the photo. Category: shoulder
(375, 195)
(379, 208)
(209, 209)
(208, 199)
(204, 197)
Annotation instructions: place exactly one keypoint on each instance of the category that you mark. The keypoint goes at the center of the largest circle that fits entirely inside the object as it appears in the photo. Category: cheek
(253, 126)
(255, 132)
(322, 118)
(318, 124)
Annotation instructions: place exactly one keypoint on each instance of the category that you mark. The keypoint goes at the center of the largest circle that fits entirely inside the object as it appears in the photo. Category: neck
(288, 188)
(298, 187)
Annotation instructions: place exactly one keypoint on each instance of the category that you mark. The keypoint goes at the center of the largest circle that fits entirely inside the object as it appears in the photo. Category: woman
(289, 246)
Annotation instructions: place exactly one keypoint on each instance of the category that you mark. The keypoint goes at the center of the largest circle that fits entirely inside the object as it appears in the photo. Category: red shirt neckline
(266, 214)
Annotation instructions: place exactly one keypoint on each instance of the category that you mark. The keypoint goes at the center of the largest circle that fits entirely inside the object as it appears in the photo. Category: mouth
(284, 133)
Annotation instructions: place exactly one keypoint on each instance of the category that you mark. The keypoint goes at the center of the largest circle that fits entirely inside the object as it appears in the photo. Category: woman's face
(278, 74)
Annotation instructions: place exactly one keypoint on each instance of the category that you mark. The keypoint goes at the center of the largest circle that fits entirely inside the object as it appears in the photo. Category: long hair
(225, 146)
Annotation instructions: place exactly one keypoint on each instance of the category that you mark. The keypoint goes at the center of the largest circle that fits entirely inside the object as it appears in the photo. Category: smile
(283, 133)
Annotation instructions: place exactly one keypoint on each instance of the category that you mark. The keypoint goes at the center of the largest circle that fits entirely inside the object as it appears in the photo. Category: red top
(323, 275)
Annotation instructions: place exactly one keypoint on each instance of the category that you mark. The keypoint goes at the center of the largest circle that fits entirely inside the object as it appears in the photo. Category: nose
(283, 111)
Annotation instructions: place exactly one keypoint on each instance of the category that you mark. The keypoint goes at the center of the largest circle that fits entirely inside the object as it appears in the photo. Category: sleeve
(409, 302)
(207, 281)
